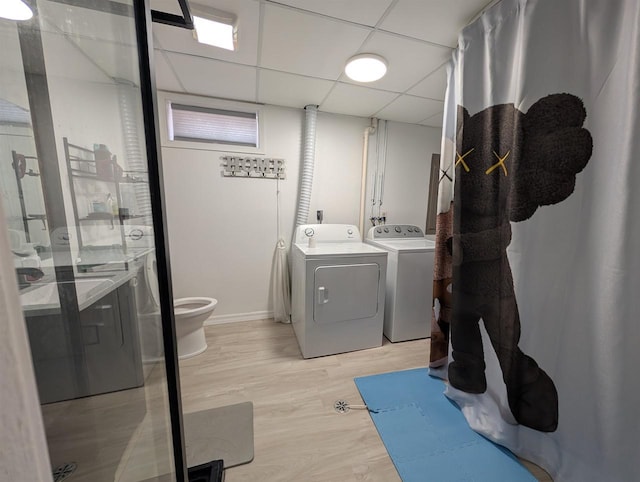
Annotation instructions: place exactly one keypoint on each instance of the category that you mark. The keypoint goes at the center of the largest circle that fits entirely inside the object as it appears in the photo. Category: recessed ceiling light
(214, 27)
(366, 67)
(15, 10)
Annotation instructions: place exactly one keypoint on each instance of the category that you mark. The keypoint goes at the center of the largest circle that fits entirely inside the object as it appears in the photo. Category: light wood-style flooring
(298, 434)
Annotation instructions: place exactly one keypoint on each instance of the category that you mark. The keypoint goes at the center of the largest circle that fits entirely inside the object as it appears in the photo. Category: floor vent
(341, 406)
(63, 471)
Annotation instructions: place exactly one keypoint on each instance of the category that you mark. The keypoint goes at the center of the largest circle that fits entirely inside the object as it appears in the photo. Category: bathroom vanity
(105, 358)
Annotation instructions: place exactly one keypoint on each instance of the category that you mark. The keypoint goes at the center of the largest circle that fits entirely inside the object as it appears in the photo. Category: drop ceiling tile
(279, 88)
(433, 20)
(181, 40)
(407, 108)
(168, 6)
(365, 12)
(117, 60)
(433, 87)
(70, 62)
(307, 44)
(215, 78)
(409, 60)
(78, 21)
(433, 121)
(12, 71)
(355, 100)
(165, 77)
(156, 42)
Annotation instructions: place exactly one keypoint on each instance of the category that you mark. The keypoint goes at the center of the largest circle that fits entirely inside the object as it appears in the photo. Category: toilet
(190, 313)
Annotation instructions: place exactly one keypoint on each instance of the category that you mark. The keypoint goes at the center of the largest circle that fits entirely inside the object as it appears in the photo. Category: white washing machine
(338, 289)
(409, 297)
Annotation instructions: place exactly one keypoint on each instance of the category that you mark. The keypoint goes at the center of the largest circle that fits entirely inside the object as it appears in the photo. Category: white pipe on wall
(363, 182)
(385, 138)
(308, 157)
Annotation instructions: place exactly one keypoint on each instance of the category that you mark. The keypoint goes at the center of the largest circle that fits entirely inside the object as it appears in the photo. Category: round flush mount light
(366, 67)
(15, 10)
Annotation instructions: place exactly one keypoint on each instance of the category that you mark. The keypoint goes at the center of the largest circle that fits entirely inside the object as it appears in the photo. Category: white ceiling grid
(293, 52)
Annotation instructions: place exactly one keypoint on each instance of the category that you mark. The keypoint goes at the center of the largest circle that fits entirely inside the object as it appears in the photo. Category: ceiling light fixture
(15, 10)
(366, 67)
(214, 27)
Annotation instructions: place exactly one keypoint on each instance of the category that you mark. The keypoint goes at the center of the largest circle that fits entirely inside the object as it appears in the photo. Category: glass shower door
(76, 193)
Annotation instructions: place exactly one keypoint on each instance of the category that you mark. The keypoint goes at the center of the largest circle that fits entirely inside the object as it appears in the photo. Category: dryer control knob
(349, 231)
(386, 230)
(398, 229)
(378, 230)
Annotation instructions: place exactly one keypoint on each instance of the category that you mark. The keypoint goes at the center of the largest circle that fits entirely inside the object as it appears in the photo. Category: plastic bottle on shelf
(104, 164)
(112, 205)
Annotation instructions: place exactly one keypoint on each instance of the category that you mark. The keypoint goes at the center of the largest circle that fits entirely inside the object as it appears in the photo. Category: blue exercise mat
(427, 436)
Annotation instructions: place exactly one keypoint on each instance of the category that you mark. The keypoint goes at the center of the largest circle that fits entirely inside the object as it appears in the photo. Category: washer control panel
(386, 231)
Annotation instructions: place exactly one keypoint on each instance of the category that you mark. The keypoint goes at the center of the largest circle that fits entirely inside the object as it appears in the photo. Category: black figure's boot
(533, 398)
(466, 373)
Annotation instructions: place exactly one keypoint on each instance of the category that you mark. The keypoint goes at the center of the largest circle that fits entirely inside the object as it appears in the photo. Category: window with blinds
(219, 126)
(12, 114)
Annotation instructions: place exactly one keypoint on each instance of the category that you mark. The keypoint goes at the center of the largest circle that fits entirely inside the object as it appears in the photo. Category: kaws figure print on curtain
(507, 165)
(542, 122)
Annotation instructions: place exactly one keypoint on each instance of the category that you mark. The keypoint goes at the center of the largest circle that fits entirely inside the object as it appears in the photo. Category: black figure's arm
(556, 148)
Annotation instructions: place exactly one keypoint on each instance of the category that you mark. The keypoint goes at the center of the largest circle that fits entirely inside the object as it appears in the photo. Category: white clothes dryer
(409, 280)
(338, 289)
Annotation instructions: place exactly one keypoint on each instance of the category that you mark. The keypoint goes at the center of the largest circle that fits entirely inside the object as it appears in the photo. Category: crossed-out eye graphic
(461, 159)
(500, 163)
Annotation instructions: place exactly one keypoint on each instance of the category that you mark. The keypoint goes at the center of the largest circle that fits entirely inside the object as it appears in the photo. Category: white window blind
(11, 114)
(204, 124)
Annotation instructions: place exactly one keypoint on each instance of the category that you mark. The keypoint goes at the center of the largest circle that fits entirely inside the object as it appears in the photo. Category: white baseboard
(252, 316)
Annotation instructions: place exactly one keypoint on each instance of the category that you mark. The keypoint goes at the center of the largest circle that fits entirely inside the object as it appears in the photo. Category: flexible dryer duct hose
(309, 150)
(280, 273)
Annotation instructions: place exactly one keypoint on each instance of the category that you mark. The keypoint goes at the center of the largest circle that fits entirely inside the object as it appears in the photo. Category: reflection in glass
(74, 184)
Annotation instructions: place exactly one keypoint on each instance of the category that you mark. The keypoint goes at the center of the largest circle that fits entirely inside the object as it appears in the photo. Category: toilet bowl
(190, 314)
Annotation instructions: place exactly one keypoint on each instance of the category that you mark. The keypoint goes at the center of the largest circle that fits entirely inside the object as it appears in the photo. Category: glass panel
(74, 184)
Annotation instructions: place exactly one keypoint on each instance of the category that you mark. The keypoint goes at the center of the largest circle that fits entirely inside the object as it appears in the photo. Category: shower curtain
(537, 331)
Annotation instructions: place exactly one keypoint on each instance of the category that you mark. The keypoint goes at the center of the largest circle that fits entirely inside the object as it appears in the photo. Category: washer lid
(339, 249)
(409, 245)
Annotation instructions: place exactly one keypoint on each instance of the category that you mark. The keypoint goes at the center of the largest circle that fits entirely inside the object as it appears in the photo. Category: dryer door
(345, 292)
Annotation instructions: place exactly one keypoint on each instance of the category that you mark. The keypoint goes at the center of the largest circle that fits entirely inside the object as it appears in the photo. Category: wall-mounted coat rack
(253, 167)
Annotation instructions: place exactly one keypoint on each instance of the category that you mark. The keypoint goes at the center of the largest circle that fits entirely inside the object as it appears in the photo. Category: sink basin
(46, 295)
